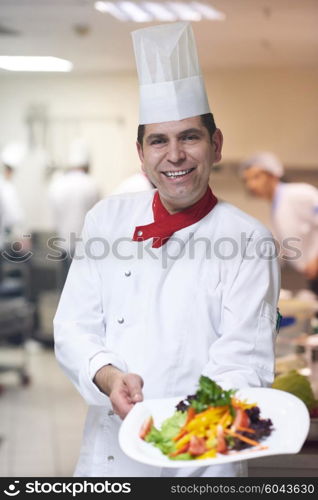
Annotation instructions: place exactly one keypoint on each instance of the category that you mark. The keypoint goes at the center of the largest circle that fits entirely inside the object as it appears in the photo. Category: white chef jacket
(13, 217)
(169, 314)
(295, 222)
(2, 228)
(70, 197)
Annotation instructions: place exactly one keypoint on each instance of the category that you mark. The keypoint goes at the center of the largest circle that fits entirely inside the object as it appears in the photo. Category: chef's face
(258, 182)
(177, 157)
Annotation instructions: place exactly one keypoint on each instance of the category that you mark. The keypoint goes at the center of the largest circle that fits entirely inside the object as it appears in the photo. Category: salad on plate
(210, 422)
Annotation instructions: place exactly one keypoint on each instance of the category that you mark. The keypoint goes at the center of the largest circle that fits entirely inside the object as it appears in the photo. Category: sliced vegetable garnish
(209, 422)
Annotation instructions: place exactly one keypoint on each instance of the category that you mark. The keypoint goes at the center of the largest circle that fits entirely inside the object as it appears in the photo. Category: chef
(168, 284)
(294, 212)
(13, 218)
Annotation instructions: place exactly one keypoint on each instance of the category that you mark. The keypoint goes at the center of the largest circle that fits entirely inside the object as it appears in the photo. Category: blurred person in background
(2, 232)
(294, 211)
(15, 242)
(71, 196)
(134, 183)
(13, 219)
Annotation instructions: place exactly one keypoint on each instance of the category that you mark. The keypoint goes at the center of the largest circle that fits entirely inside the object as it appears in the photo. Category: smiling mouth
(179, 173)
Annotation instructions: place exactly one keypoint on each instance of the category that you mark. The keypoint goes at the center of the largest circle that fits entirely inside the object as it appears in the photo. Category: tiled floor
(41, 424)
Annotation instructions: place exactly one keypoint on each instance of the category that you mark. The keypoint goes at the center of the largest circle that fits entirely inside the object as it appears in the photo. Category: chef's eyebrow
(188, 131)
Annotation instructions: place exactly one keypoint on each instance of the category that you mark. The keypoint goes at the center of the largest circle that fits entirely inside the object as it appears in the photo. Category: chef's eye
(190, 137)
(155, 142)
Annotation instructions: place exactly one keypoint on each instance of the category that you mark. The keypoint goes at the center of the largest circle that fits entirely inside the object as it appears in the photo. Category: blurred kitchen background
(260, 63)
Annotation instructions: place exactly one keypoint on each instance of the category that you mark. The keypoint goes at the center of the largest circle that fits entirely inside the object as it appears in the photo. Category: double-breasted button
(120, 321)
(128, 273)
(140, 233)
(110, 458)
(111, 412)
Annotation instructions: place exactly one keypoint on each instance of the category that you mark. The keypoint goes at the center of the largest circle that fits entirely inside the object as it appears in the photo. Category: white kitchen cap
(78, 155)
(266, 161)
(170, 81)
(12, 154)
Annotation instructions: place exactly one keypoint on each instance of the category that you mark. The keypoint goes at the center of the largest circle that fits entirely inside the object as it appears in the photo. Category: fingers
(121, 406)
(126, 392)
(134, 384)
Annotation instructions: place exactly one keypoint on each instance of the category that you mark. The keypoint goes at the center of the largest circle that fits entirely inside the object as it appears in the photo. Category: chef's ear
(140, 152)
(217, 143)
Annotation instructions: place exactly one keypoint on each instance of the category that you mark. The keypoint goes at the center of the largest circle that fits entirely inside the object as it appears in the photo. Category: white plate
(288, 414)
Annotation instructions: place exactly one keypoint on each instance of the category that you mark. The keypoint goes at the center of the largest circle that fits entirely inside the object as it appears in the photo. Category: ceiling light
(160, 11)
(208, 12)
(184, 11)
(142, 12)
(135, 12)
(34, 63)
(113, 9)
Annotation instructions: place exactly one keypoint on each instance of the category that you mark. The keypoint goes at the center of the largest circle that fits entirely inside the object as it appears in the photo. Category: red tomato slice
(197, 445)
(241, 419)
(146, 427)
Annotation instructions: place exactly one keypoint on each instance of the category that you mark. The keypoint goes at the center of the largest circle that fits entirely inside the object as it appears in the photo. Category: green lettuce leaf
(162, 438)
(210, 394)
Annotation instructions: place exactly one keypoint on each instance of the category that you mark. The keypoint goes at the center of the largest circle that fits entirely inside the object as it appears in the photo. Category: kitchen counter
(303, 464)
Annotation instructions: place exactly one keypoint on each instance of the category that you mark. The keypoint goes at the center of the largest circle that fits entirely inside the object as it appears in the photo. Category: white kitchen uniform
(203, 303)
(71, 196)
(13, 218)
(295, 222)
(2, 228)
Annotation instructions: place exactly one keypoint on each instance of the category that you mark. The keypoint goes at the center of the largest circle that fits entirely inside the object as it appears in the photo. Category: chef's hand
(311, 270)
(123, 389)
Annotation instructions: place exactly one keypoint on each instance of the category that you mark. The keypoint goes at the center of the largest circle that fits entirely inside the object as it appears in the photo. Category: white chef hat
(266, 161)
(170, 81)
(12, 154)
(78, 155)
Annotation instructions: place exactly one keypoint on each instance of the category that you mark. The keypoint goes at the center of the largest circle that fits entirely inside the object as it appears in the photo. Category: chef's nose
(175, 152)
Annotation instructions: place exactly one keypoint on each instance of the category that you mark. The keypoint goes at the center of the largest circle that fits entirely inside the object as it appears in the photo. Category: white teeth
(177, 174)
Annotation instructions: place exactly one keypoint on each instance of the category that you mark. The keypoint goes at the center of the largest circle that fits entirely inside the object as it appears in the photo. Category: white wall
(256, 109)
(268, 109)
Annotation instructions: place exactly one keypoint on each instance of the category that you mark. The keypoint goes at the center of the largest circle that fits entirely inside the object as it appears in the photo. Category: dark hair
(207, 121)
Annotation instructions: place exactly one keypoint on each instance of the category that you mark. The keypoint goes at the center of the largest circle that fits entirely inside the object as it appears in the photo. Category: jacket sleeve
(80, 323)
(244, 353)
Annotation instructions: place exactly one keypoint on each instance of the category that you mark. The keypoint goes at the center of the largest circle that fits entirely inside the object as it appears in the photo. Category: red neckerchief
(166, 224)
